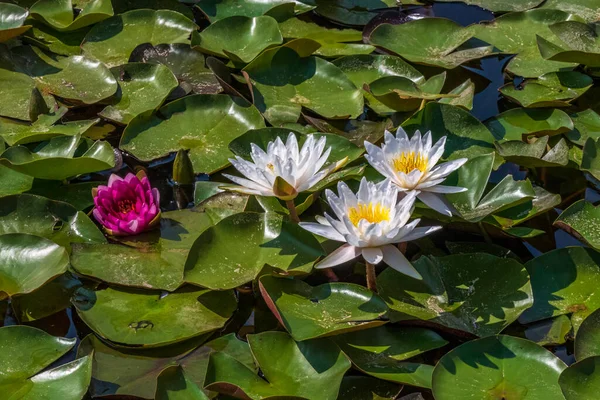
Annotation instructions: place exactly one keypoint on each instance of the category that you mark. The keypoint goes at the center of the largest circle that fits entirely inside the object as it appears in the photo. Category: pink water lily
(127, 206)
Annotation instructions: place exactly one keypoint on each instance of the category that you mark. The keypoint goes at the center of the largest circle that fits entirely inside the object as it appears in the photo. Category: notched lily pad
(519, 122)
(12, 18)
(61, 15)
(581, 381)
(579, 43)
(535, 154)
(580, 219)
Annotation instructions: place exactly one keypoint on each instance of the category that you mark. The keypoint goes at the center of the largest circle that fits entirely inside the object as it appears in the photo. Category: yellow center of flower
(271, 166)
(125, 206)
(374, 213)
(409, 161)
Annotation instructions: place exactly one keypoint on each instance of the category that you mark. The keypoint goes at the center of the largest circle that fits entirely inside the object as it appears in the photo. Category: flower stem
(293, 213)
(371, 283)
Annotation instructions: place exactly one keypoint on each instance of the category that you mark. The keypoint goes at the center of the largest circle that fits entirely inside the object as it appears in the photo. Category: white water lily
(283, 170)
(411, 165)
(370, 222)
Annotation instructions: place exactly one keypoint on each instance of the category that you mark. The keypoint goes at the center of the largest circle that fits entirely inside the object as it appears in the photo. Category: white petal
(445, 189)
(436, 202)
(248, 184)
(341, 255)
(372, 255)
(436, 152)
(395, 259)
(444, 169)
(418, 233)
(323, 230)
(427, 143)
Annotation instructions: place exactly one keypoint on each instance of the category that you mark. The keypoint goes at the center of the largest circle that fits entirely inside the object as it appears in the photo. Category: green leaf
(562, 282)
(60, 13)
(26, 100)
(579, 43)
(502, 5)
(261, 239)
(516, 32)
(147, 318)
(466, 136)
(381, 352)
(498, 367)
(586, 342)
(112, 40)
(402, 94)
(28, 261)
(550, 332)
(49, 39)
(309, 312)
(308, 369)
(586, 9)
(581, 381)
(216, 10)
(554, 89)
(204, 124)
(79, 195)
(125, 5)
(519, 122)
(542, 202)
(476, 293)
(12, 18)
(142, 87)
(590, 161)
(464, 93)
(535, 153)
(587, 125)
(301, 80)
(429, 41)
(472, 204)
(580, 220)
(60, 158)
(367, 388)
(355, 12)
(239, 38)
(13, 182)
(173, 384)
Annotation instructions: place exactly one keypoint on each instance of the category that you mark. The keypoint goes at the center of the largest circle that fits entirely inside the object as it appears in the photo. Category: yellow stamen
(374, 213)
(271, 166)
(407, 162)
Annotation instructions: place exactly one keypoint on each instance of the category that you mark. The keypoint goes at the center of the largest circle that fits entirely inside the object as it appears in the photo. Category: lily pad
(502, 5)
(516, 32)
(60, 158)
(367, 388)
(27, 101)
(142, 87)
(562, 282)
(79, 195)
(147, 318)
(461, 96)
(60, 15)
(476, 293)
(288, 368)
(381, 352)
(112, 40)
(205, 124)
(187, 64)
(429, 41)
(35, 215)
(534, 154)
(301, 80)
(126, 5)
(47, 38)
(239, 38)
(554, 89)
(330, 309)
(472, 204)
(581, 381)
(587, 343)
(498, 367)
(549, 332)
(586, 9)
(173, 384)
(466, 136)
(578, 43)
(28, 261)
(587, 125)
(590, 161)
(13, 182)
(355, 12)
(12, 18)
(262, 239)
(216, 10)
(519, 122)
(580, 219)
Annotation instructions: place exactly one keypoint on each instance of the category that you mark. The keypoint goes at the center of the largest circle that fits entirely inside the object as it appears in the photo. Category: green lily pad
(587, 125)
(290, 369)
(173, 384)
(381, 352)
(534, 154)
(586, 9)
(502, 5)
(581, 381)
(562, 282)
(79, 195)
(554, 89)
(28, 261)
(157, 259)
(550, 332)
(367, 388)
(35, 215)
(330, 309)
(47, 38)
(429, 41)
(44, 128)
(466, 136)
(587, 343)
(364, 69)
(516, 32)
(60, 158)
(205, 124)
(476, 293)
(301, 80)
(143, 87)
(187, 64)
(590, 161)
(239, 38)
(13, 182)
(355, 12)
(134, 371)
(112, 40)
(126, 5)
(27, 352)
(147, 318)
(60, 15)
(580, 219)
(578, 43)
(498, 367)
(262, 239)
(472, 204)
(12, 18)
(27, 101)
(217, 10)
(519, 122)
(461, 96)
